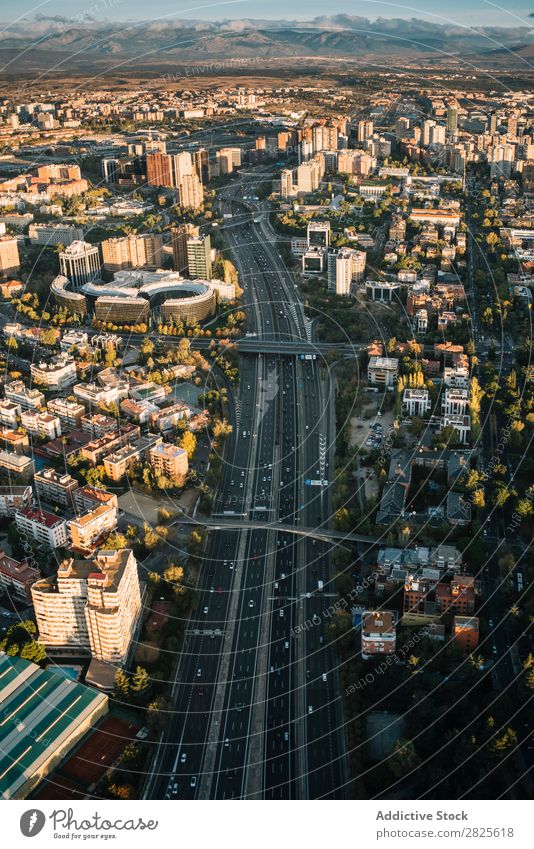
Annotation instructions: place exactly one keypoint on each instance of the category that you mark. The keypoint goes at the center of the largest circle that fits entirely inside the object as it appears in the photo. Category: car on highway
(205, 609)
(193, 782)
(199, 672)
(183, 758)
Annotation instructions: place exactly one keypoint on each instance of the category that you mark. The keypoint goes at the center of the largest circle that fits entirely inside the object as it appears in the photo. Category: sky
(464, 12)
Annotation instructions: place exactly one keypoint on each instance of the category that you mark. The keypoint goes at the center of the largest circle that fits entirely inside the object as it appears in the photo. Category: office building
(318, 234)
(382, 371)
(54, 234)
(80, 263)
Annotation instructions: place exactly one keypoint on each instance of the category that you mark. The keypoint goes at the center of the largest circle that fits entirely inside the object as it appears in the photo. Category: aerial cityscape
(266, 404)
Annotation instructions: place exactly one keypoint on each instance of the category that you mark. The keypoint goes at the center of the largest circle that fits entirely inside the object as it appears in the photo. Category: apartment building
(92, 606)
(9, 256)
(95, 450)
(199, 257)
(13, 498)
(41, 527)
(170, 461)
(93, 395)
(86, 531)
(118, 464)
(42, 425)
(378, 633)
(69, 413)
(27, 399)
(191, 192)
(99, 425)
(56, 375)
(88, 498)
(14, 440)
(382, 371)
(349, 269)
(16, 578)
(55, 488)
(16, 466)
(179, 239)
(415, 402)
(228, 160)
(465, 633)
(168, 417)
(54, 234)
(143, 250)
(9, 413)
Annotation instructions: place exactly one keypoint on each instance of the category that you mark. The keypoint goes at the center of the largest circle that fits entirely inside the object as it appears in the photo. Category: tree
(33, 651)
(140, 681)
(159, 713)
(122, 684)
(403, 759)
(189, 443)
(478, 498)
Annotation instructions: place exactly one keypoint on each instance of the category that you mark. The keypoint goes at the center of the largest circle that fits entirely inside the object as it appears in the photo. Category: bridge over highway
(239, 522)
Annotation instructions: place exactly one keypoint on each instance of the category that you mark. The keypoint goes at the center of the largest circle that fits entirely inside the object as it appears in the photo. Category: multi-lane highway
(257, 707)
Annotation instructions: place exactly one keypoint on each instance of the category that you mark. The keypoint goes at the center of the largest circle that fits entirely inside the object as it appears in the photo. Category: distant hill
(72, 46)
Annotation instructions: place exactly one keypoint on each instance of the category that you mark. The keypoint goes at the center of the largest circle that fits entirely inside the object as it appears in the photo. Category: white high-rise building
(80, 263)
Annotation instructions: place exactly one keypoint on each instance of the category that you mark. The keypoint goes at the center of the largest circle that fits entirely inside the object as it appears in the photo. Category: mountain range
(48, 42)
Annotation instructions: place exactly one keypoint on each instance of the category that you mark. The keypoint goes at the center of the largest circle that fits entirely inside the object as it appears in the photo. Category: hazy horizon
(479, 13)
